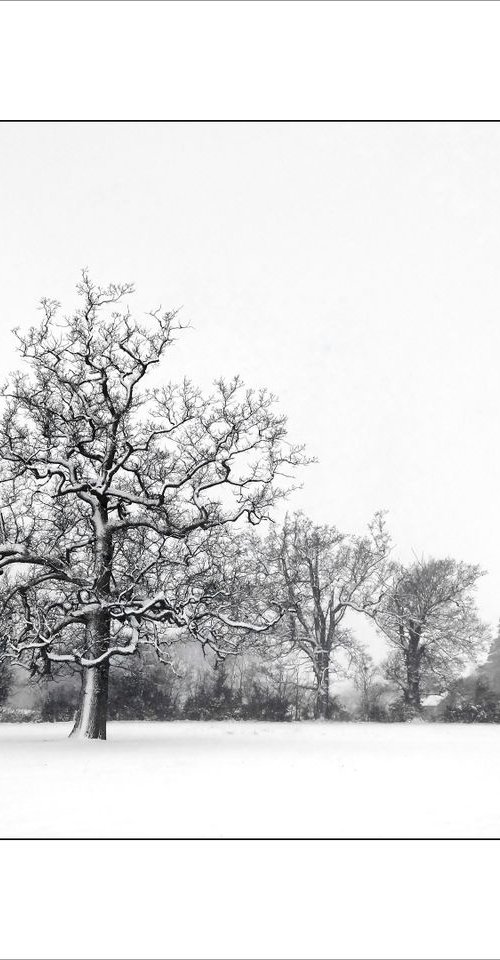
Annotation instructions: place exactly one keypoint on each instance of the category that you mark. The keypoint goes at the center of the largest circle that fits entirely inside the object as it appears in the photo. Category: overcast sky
(351, 268)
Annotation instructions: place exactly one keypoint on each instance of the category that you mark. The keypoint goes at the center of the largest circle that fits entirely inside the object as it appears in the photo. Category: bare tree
(116, 497)
(368, 682)
(322, 574)
(429, 616)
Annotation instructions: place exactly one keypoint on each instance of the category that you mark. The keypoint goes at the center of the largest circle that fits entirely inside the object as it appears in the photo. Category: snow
(432, 700)
(184, 779)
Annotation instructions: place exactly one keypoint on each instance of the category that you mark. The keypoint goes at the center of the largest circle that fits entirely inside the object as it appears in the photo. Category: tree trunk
(413, 696)
(92, 713)
(322, 702)
(412, 692)
(413, 658)
(90, 722)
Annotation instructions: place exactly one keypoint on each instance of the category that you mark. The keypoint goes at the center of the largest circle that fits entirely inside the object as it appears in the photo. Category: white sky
(351, 268)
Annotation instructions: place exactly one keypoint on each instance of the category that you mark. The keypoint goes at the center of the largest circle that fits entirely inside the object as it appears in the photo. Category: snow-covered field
(251, 780)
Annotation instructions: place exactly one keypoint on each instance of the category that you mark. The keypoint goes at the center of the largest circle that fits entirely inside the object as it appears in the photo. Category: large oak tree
(118, 497)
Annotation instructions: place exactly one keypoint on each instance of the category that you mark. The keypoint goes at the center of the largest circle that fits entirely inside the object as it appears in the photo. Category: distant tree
(489, 671)
(429, 617)
(263, 703)
(369, 683)
(58, 697)
(143, 688)
(114, 496)
(470, 700)
(278, 686)
(213, 697)
(321, 574)
(476, 697)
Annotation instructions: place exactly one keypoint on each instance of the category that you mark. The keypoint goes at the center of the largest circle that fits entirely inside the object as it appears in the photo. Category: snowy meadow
(216, 780)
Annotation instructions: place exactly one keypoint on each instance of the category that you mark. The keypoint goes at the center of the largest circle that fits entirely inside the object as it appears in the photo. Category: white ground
(251, 780)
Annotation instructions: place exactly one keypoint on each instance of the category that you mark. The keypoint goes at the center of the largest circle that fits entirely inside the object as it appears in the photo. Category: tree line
(136, 518)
